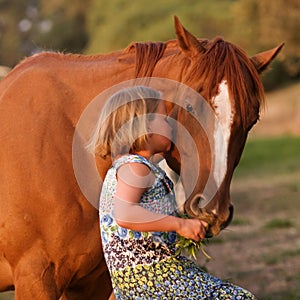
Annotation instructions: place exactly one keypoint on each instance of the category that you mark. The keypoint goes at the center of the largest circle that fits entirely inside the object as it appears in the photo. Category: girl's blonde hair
(122, 125)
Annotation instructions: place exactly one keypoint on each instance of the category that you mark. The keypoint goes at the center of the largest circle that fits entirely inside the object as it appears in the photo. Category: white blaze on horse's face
(224, 119)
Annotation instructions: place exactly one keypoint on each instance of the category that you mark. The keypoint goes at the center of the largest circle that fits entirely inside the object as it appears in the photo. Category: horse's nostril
(201, 201)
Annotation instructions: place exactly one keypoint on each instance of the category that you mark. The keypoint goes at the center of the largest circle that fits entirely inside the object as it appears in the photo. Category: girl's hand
(192, 229)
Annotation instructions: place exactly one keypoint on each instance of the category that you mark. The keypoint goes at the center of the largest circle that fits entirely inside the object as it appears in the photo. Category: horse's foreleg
(34, 278)
(6, 277)
(94, 286)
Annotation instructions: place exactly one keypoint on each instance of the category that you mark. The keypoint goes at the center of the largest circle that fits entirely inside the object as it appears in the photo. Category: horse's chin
(212, 231)
(209, 235)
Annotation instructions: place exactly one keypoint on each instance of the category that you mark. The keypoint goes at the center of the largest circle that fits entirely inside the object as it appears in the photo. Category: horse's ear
(262, 60)
(188, 43)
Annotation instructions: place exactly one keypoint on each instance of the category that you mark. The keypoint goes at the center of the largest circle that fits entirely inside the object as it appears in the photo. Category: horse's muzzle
(230, 216)
(211, 231)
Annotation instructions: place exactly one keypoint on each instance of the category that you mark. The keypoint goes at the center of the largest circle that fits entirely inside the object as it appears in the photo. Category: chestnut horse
(49, 233)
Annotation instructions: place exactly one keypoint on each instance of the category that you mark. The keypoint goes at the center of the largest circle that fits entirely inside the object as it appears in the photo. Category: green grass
(275, 258)
(263, 157)
(272, 259)
(278, 223)
(284, 295)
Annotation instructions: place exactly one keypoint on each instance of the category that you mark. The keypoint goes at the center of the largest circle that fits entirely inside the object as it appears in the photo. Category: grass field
(261, 248)
(267, 156)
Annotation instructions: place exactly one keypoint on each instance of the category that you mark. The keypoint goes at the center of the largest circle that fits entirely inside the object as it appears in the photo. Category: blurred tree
(283, 24)
(30, 26)
(64, 25)
(11, 12)
(255, 25)
(122, 22)
(262, 24)
(93, 26)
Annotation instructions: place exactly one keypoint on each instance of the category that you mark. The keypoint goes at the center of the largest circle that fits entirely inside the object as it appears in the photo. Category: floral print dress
(143, 265)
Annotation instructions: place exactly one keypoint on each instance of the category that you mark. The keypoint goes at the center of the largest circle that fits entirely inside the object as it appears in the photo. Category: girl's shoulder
(131, 158)
(135, 158)
(135, 170)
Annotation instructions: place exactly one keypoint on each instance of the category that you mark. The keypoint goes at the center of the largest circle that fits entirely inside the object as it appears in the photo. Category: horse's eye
(189, 107)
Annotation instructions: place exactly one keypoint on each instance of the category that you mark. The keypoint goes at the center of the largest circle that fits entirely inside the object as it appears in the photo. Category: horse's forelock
(225, 61)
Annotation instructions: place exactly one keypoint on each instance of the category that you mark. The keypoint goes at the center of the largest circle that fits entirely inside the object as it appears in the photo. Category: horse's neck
(115, 67)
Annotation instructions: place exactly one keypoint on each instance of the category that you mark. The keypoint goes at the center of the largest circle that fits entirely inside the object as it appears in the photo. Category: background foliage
(92, 26)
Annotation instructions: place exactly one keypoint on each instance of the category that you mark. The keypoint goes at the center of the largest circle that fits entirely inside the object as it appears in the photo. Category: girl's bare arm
(133, 180)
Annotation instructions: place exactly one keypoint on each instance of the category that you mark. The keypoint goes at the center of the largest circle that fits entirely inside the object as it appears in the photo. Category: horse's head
(229, 81)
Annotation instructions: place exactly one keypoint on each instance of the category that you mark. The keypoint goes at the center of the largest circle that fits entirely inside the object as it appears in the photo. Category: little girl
(138, 219)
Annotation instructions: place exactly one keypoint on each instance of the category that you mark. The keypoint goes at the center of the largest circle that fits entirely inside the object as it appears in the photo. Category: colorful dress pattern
(143, 265)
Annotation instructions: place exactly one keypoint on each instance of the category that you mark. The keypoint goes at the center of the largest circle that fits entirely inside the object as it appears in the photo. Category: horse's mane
(146, 57)
(221, 61)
